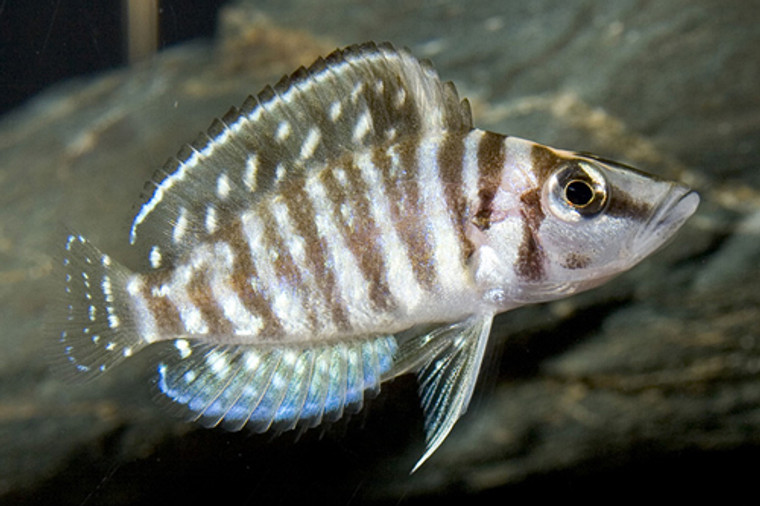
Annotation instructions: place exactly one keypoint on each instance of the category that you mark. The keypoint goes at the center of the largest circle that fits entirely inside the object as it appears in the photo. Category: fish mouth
(675, 208)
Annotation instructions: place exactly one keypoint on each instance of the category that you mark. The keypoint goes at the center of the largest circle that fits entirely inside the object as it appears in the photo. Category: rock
(650, 379)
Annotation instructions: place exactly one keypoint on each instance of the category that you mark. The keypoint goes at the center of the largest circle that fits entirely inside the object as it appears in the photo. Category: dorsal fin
(356, 97)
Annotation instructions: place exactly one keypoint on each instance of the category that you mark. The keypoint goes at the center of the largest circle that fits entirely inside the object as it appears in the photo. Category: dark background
(42, 42)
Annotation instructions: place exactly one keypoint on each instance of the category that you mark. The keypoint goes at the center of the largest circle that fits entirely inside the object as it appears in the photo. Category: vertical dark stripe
(200, 294)
(303, 217)
(285, 269)
(361, 234)
(283, 265)
(544, 161)
(531, 258)
(243, 271)
(407, 210)
(491, 158)
(450, 163)
(165, 313)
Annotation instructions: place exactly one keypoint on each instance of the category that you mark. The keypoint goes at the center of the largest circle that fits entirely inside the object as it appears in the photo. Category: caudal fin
(95, 327)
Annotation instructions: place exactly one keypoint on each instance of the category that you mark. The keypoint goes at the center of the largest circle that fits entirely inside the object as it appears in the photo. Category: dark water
(48, 41)
(649, 383)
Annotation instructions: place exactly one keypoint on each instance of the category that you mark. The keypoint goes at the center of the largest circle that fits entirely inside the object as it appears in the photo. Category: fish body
(342, 228)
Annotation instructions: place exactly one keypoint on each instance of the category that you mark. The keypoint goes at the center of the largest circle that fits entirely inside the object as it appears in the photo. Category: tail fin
(94, 324)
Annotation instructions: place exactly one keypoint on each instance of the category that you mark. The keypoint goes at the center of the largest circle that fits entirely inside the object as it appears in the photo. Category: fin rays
(357, 97)
(94, 322)
(278, 388)
(448, 361)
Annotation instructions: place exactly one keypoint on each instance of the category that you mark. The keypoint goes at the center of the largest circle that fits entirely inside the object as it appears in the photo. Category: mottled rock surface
(652, 380)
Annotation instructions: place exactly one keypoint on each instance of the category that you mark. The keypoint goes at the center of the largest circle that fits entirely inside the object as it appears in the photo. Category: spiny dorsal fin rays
(357, 97)
(277, 387)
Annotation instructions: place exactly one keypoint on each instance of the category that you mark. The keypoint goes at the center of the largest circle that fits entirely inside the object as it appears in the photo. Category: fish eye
(579, 193)
(576, 191)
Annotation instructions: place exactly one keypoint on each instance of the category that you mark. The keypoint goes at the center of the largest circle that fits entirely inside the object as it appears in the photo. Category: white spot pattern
(155, 257)
(283, 131)
(310, 144)
(251, 171)
(362, 127)
(223, 186)
(336, 109)
(183, 347)
(210, 219)
(356, 92)
(180, 227)
(400, 98)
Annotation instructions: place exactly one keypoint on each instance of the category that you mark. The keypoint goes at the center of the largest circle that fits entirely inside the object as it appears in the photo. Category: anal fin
(273, 387)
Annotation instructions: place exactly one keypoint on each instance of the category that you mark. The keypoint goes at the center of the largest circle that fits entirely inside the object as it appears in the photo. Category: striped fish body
(344, 227)
(376, 242)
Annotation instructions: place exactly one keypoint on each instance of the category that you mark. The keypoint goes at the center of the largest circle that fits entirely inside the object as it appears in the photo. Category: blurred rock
(652, 379)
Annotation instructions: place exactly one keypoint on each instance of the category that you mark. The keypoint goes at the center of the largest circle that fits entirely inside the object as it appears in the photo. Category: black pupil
(579, 193)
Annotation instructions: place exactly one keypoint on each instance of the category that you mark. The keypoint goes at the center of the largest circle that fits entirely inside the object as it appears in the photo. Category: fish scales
(341, 228)
(274, 256)
(242, 274)
(325, 281)
(349, 195)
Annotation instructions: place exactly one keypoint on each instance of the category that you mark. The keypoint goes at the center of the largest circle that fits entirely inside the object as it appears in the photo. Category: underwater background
(646, 387)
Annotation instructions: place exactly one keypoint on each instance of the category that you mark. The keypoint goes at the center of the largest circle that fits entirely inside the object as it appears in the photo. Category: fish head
(585, 220)
(600, 218)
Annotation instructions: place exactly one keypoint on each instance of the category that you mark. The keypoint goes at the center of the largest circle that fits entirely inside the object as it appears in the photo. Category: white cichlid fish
(342, 228)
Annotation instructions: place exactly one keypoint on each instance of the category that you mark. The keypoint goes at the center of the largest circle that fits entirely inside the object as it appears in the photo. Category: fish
(344, 227)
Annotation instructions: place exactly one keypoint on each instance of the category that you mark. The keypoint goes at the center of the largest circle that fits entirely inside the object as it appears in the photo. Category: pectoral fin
(447, 360)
